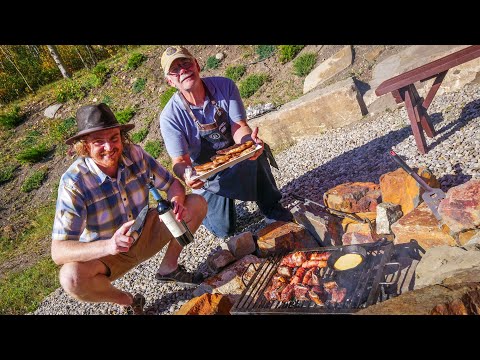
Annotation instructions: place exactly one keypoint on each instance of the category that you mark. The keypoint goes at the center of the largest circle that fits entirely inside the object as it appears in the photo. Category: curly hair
(80, 145)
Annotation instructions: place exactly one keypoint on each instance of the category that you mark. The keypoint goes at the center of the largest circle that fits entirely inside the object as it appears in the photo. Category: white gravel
(358, 152)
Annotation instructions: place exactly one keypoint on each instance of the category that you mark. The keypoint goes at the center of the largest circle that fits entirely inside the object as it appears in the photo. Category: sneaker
(136, 308)
(181, 277)
(278, 213)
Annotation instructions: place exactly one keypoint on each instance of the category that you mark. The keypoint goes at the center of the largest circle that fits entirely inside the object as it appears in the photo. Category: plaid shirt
(92, 206)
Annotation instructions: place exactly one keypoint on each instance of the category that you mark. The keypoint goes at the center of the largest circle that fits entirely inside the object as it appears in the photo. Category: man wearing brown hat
(99, 197)
(202, 117)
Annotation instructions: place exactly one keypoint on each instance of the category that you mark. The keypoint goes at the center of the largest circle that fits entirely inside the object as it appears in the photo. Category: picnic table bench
(403, 90)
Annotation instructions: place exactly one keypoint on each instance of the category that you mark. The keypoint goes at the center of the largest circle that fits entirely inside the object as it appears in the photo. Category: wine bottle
(179, 230)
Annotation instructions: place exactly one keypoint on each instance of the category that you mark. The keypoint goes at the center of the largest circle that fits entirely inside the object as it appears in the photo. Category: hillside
(26, 217)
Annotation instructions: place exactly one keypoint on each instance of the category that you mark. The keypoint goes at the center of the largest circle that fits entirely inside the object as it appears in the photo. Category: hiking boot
(278, 213)
(181, 277)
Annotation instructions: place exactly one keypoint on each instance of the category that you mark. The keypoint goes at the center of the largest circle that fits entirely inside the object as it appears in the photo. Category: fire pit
(361, 286)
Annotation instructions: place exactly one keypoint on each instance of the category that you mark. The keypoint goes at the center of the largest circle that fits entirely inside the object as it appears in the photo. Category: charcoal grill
(363, 285)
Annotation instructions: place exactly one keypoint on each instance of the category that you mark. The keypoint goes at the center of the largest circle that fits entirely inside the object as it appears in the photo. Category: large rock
(329, 68)
(398, 187)
(283, 236)
(229, 280)
(353, 197)
(458, 295)
(443, 262)
(422, 226)
(325, 228)
(331, 107)
(461, 208)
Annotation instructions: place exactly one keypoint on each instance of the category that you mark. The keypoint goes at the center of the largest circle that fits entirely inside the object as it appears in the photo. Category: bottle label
(176, 228)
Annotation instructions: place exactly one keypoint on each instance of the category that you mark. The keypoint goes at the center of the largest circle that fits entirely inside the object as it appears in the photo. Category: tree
(58, 60)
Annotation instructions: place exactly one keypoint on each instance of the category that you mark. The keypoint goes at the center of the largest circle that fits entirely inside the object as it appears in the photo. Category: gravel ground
(358, 152)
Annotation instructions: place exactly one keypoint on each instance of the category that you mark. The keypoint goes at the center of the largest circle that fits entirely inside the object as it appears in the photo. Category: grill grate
(363, 286)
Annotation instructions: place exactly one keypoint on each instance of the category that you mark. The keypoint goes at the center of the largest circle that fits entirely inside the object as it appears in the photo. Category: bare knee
(199, 206)
(73, 279)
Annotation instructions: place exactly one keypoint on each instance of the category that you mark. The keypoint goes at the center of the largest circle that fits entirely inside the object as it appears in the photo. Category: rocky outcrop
(458, 295)
(329, 68)
(331, 107)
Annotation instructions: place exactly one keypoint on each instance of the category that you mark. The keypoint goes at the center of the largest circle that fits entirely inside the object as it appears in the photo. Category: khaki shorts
(153, 238)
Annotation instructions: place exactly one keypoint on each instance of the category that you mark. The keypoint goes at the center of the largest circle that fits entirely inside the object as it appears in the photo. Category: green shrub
(7, 173)
(251, 84)
(34, 181)
(30, 138)
(101, 72)
(235, 72)
(33, 154)
(166, 96)
(265, 51)
(63, 129)
(125, 115)
(288, 52)
(154, 148)
(304, 64)
(135, 60)
(139, 85)
(11, 119)
(212, 63)
(139, 136)
(69, 90)
(107, 100)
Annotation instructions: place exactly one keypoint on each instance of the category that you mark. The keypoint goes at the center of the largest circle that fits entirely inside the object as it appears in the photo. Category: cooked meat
(298, 277)
(285, 271)
(307, 277)
(319, 256)
(301, 291)
(273, 292)
(294, 259)
(312, 263)
(315, 298)
(287, 293)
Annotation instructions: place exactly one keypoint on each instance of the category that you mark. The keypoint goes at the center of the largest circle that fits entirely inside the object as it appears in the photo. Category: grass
(166, 96)
(235, 72)
(23, 291)
(288, 52)
(212, 63)
(33, 154)
(265, 51)
(304, 64)
(125, 115)
(139, 136)
(34, 181)
(136, 59)
(139, 85)
(251, 84)
(7, 173)
(154, 148)
(11, 119)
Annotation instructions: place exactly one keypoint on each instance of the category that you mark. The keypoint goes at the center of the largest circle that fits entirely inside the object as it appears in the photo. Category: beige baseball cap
(171, 53)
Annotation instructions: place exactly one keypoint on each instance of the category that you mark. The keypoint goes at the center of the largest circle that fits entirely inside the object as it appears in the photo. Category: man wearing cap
(99, 197)
(206, 115)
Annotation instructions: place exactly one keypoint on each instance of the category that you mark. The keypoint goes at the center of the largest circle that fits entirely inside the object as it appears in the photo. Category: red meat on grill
(319, 256)
(295, 259)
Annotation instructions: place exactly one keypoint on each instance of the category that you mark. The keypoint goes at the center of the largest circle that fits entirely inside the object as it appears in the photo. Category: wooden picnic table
(403, 89)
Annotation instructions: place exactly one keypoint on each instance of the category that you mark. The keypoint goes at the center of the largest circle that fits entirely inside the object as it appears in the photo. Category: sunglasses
(186, 64)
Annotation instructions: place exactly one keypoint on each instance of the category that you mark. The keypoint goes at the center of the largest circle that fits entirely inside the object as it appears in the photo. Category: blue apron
(237, 182)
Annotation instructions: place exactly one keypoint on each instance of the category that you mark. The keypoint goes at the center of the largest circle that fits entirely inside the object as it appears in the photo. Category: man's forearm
(66, 251)
(241, 132)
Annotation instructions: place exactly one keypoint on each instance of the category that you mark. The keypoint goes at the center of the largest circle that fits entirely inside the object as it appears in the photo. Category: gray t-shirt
(179, 132)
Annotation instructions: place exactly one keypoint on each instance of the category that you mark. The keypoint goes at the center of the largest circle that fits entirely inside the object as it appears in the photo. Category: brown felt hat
(91, 118)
